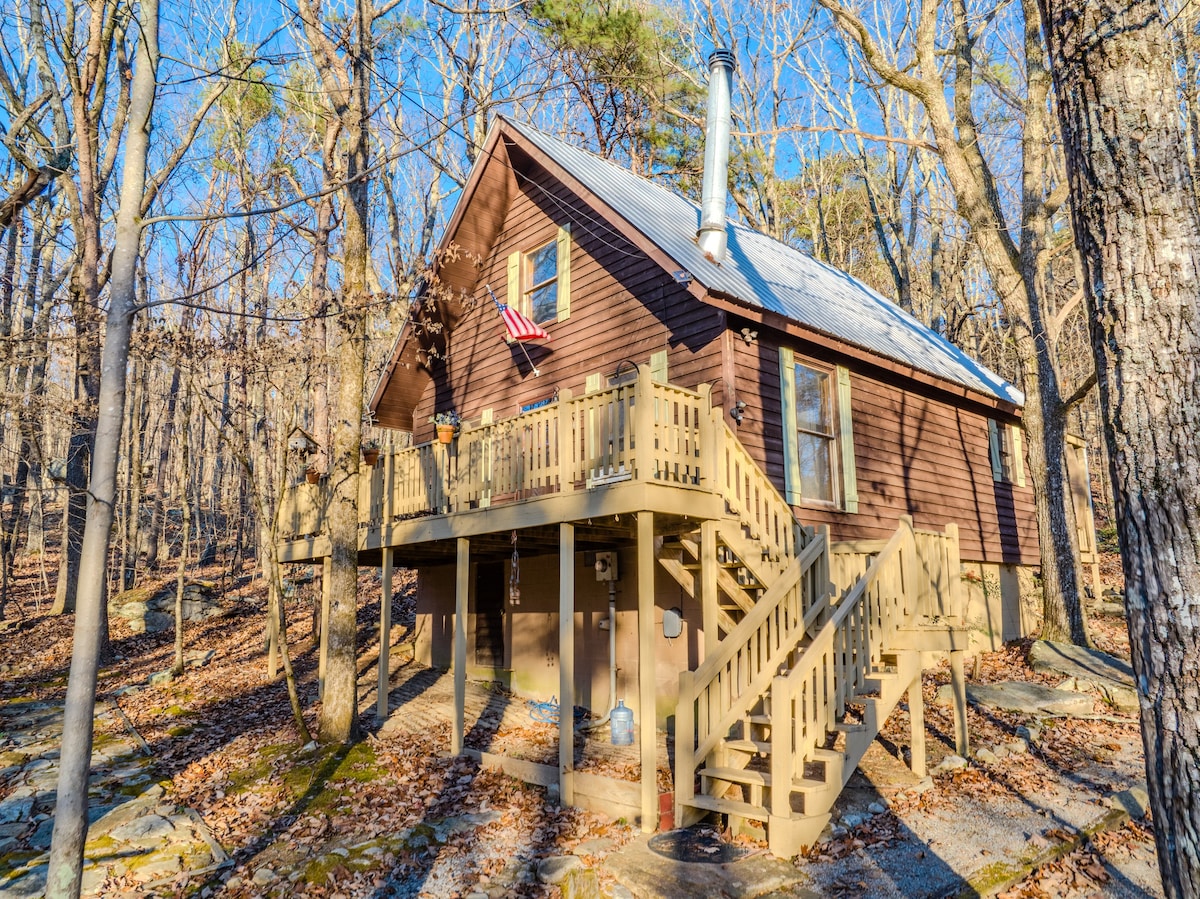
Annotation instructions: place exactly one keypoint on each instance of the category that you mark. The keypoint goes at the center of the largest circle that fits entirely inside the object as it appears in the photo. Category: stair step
(738, 776)
(754, 746)
(728, 807)
(807, 785)
(849, 727)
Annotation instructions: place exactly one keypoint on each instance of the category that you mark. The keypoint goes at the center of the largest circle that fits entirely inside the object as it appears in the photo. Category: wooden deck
(640, 446)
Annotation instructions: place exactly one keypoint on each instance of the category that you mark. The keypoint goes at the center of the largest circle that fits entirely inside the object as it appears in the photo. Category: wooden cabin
(779, 474)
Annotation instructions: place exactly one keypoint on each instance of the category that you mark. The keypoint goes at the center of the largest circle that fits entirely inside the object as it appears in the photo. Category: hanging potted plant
(370, 451)
(448, 423)
(312, 475)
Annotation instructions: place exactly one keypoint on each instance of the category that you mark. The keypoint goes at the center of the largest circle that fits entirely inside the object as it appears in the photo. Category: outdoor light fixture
(749, 336)
(739, 411)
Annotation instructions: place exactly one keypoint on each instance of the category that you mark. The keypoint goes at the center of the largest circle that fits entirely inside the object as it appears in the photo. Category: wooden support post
(685, 744)
(706, 454)
(385, 636)
(910, 571)
(462, 584)
(647, 733)
(323, 655)
(958, 683)
(916, 718)
(707, 582)
(643, 426)
(566, 447)
(955, 607)
(566, 662)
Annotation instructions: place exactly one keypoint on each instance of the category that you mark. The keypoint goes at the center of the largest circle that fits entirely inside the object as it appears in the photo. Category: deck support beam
(462, 584)
(323, 654)
(385, 635)
(648, 738)
(916, 719)
(958, 684)
(566, 662)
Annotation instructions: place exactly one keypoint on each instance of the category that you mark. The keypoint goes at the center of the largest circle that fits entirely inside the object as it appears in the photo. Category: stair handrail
(838, 659)
(728, 683)
(766, 506)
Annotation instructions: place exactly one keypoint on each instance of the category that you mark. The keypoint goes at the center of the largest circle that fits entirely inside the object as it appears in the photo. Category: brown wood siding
(915, 455)
(621, 304)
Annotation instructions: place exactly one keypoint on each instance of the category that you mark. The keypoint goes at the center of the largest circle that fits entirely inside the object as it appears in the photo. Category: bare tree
(70, 819)
(347, 85)
(1017, 267)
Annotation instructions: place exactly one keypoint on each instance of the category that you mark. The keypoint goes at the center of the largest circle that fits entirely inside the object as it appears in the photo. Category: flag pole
(521, 344)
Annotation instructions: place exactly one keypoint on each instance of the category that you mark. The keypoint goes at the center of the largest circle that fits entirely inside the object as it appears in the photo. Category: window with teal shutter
(818, 444)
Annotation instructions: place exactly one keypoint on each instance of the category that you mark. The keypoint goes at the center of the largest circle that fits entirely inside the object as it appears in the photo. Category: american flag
(519, 327)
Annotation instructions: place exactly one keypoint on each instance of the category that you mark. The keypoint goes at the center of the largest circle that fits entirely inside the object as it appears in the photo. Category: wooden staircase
(772, 724)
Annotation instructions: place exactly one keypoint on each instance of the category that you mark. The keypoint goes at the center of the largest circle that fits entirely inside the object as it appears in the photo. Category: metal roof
(761, 271)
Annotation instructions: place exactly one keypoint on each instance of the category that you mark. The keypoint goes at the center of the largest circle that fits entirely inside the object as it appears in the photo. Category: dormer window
(539, 280)
(539, 300)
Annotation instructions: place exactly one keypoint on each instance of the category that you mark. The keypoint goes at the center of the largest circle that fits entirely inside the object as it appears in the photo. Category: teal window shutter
(791, 451)
(846, 440)
(994, 451)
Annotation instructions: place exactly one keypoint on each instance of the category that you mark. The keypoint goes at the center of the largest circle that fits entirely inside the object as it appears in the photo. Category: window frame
(529, 288)
(839, 439)
(832, 443)
(1006, 448)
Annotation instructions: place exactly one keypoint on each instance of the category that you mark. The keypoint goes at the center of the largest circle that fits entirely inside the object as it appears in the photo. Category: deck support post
(385, 636)
(648, 737)
(323, 654)
(708, 586)
(916, 720)
(462, 583)
(958, 683)
(566, 662)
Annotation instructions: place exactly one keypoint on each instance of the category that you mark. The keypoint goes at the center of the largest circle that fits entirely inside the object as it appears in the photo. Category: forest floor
(213, 759)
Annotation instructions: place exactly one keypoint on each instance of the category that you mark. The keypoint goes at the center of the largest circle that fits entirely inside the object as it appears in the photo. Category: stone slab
(1088, 669)
(1031, 699)
(1079, 661)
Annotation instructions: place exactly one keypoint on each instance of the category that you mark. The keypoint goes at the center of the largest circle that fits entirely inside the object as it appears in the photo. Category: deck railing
(906, 581)
(640, 430)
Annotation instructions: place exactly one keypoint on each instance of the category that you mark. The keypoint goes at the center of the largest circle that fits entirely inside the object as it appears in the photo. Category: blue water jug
(621, 722)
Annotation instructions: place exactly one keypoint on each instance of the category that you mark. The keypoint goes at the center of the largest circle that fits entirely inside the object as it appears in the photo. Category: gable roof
(762, 272)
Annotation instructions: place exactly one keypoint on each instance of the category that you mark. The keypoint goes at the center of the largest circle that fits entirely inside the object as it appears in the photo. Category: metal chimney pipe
(712, 236)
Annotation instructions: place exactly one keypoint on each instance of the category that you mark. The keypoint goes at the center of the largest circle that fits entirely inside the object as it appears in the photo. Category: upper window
(818, 446)
(539, 280)
(540, 294)
(1007, 452)
(815, 436)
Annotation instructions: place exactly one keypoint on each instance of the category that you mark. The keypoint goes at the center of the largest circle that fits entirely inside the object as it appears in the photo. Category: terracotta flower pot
(371, 456)
(446, 433)
(312, 476)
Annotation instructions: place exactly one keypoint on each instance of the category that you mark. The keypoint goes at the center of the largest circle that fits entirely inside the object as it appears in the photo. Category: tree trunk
(185, 461)
(349, 94)
(65, 872)
(1138, 229)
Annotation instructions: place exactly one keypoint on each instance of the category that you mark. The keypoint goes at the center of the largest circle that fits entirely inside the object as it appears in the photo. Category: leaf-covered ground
(392, 816)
